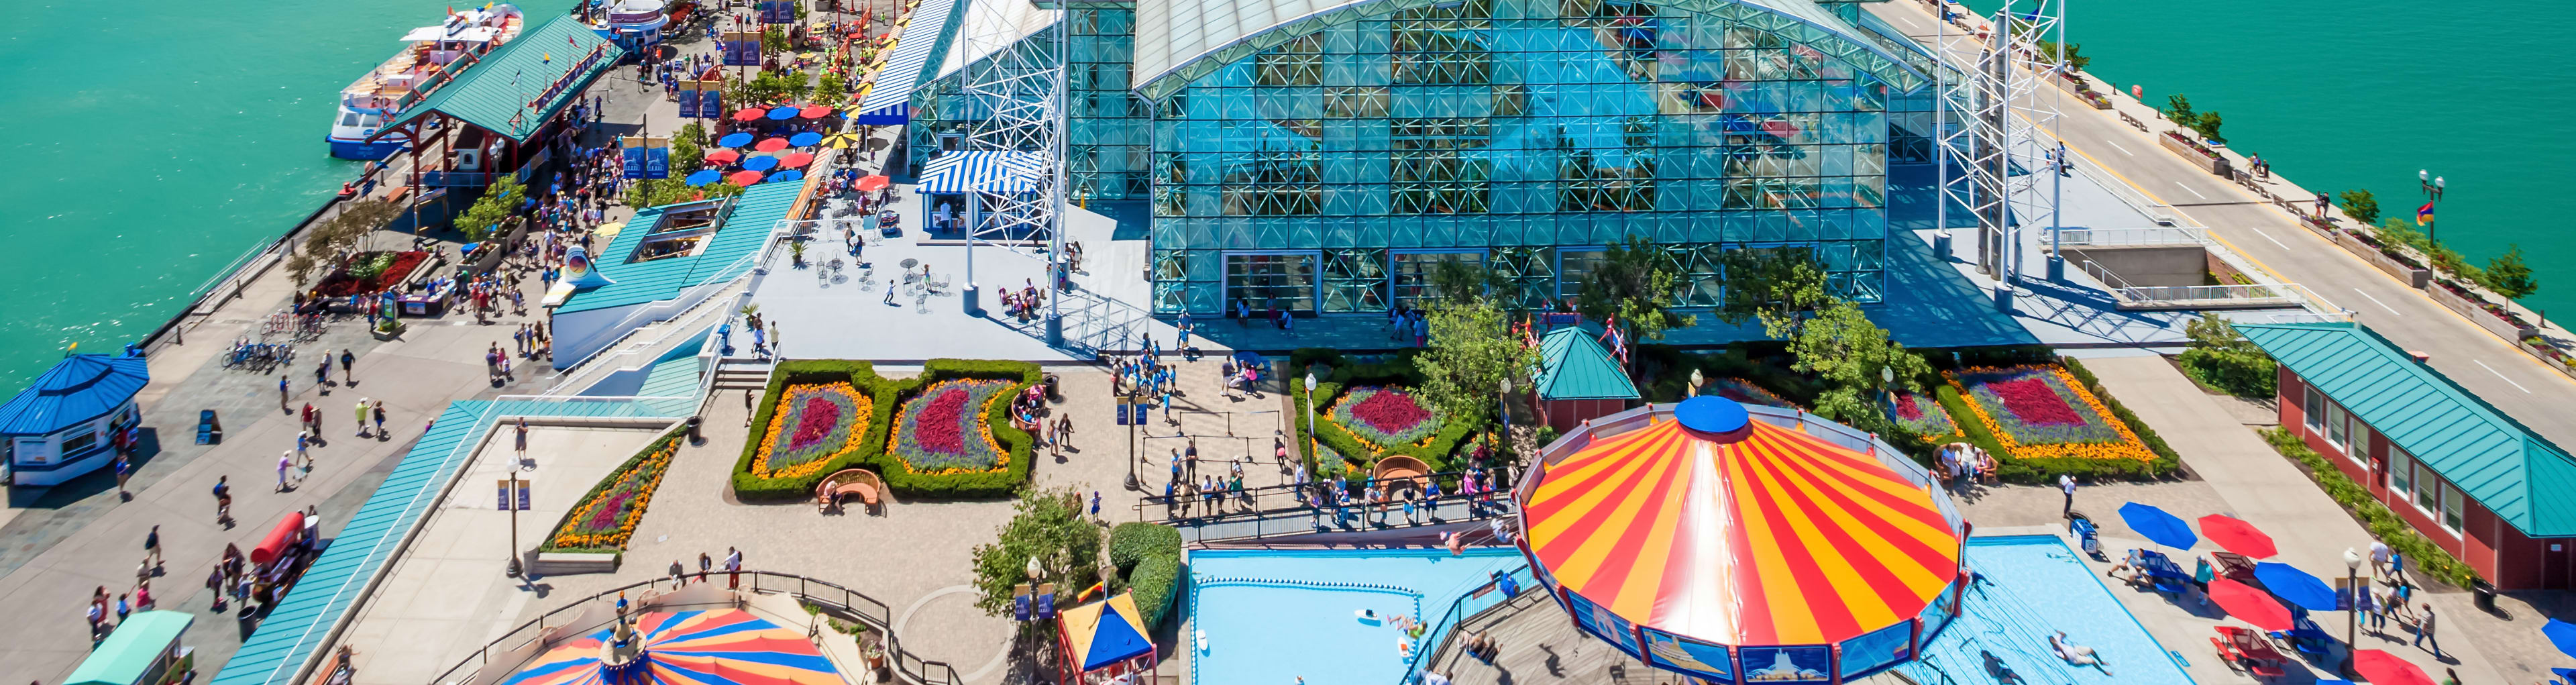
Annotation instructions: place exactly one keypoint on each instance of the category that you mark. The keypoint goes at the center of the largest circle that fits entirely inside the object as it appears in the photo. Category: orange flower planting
(2126, 446)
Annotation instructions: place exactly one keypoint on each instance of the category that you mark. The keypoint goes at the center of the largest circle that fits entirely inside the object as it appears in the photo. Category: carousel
(723, 646)
(1736, 547)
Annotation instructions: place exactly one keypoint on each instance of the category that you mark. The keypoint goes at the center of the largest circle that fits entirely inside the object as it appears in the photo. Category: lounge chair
(2244, 649)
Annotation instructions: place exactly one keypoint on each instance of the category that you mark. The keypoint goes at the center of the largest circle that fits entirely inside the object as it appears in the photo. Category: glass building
(1324, 157)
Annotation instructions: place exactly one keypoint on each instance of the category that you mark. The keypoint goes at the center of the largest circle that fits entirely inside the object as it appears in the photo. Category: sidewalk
(2255, 483)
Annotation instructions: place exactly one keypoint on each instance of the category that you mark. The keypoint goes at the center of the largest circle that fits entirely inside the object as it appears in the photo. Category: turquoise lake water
(158, 141)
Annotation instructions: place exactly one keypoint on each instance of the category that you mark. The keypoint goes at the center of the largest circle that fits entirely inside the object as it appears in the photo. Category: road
(2520, 386)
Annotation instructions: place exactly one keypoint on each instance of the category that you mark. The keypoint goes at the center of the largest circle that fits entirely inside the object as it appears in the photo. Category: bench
(849, 482)
(566, 563)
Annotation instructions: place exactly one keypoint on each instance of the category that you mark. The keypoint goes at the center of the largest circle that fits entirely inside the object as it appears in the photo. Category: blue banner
(688, 102)
(634, 161)
(657, 161)
(711, 104)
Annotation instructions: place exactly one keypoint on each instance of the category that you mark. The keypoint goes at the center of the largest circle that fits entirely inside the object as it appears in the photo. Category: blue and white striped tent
(890, 100)
(993, 172)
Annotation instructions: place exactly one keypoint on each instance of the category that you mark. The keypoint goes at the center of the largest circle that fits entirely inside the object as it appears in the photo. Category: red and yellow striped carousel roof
(1762, 536)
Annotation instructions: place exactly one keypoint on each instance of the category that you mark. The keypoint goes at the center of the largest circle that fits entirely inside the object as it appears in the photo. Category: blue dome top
(1711, 414)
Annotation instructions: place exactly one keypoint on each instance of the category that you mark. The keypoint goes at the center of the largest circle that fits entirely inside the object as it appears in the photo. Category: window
(349, 119)
(1588, 185)
(1271, 281)
(2401, 471)
(2315, 411)
(1355, 102)
(2360, 433)
(1413, 287)
(1274, 183)
(2453, 502)
(83, 437)
(1431, 170)
(1298, 62)
(1574, 267)
(2428, 488)
(2337, 428)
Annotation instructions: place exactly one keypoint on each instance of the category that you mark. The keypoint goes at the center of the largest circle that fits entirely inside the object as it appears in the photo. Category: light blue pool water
(1272, 616)
(2040, 587)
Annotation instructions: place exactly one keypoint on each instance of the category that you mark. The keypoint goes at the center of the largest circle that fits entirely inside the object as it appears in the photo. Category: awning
(896, 114)
(138, 642)
(922, 31)
(1105, 632)
(993, 172)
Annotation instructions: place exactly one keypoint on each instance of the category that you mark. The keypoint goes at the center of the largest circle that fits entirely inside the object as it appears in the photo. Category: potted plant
(388, 328)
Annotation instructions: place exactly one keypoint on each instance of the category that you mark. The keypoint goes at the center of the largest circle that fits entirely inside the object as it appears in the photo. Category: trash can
(693, 430)
(2486, 594)
(1052, 392)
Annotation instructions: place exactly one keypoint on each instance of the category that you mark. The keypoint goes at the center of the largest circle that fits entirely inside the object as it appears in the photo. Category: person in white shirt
(2066, 483)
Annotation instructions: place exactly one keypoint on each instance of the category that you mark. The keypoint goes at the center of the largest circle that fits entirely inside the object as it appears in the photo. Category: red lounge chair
(2246, 649)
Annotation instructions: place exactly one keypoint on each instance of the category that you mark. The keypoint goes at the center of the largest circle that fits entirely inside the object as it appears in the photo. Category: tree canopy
(1637, 285)
(1048, 527)
(1776, 286)
(1472, 352)
(1847, 351)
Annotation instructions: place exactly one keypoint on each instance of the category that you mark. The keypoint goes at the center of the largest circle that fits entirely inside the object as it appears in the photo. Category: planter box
(2469, 308)
(2214, 165)
(2075, 86)
(567, 563)
(2545, 359)
(2411, 276)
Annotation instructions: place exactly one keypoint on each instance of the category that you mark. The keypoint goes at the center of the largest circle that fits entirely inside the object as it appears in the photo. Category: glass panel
(1573, 266)
(2401, 470)
(1413, 275)
(2315, 410)
(2453, 503)
(2428, 494)
(1271, 281)
(2336, 427)
(87, 436)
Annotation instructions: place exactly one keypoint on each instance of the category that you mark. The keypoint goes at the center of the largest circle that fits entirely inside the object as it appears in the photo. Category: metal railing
(1295, 509)
(2108, 237)
(867, 610)
(2246, 295)
(1475, 602)
(572, 381)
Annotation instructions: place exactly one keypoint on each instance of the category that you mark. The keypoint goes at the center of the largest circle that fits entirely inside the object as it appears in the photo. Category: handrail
(1446, 629)
(2162, 235)
(568, 381)
(877, 615)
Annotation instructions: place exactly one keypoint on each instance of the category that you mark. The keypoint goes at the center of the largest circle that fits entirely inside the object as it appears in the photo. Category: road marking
(2268, 236)
(2187, 189)
(2500, 376)
(2116, 146)
(2374, 300)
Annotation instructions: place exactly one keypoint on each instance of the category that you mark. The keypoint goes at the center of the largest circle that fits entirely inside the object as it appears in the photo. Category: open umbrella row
(782, 113)
(2228, 532)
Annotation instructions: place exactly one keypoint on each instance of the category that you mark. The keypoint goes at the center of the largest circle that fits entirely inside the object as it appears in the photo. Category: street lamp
(1310, 420)
(1506, 400)
(2432, 195)
(2356, 594)
(1696, 381)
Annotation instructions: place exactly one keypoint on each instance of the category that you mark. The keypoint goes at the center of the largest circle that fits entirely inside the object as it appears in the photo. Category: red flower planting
(1390, 412)
(2031, 400)
(941, 429)
(819, 417)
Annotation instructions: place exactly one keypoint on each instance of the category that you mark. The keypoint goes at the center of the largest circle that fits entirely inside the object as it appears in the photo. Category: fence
(2108, 237)
(1284, 509)
(1486, 596)
(867, 610)
(2242, 295)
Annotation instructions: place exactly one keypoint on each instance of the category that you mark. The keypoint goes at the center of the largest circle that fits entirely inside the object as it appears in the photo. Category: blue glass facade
(1328, 171)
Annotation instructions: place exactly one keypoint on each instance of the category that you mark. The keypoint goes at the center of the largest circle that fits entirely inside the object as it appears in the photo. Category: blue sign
(688, 102)
(657, 161)
(711, 104)
(634, 161)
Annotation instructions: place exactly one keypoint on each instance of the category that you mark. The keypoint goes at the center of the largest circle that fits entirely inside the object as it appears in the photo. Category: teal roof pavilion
(1573, 366)
(670, 248)
(2510, 470)
(515, 88)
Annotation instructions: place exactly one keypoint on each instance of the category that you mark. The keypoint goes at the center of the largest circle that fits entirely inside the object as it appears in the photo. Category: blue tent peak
(1114, 640)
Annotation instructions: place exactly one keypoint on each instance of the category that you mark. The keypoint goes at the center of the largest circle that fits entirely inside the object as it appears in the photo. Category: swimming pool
(1272, 616)
(2040, 587)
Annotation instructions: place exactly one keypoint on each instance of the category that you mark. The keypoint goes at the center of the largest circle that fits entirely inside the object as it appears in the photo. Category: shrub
(2357, 501)
(1155, 581)
(1346, 373)
(1132, 542)
(886, 395)
(860, 375)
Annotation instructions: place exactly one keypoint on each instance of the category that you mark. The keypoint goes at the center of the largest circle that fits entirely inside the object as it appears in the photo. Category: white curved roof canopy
(1173, 35)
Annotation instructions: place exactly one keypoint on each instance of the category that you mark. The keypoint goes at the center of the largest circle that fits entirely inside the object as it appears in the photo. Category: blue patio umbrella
(805, 139)
(760, 163)
(2562, 634)
(2295, 586)
(783, 113)
(736, 139)
(705, 177)
(1248, 358)
(2163, 528)
(788, 175)
(2565, 674)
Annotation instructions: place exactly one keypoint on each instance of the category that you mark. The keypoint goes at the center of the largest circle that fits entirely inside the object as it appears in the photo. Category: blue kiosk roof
(744, 226)
(82, 387)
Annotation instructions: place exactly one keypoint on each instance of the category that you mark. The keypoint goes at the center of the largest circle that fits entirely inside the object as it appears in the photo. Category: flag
(2424, 215)
(568, 40)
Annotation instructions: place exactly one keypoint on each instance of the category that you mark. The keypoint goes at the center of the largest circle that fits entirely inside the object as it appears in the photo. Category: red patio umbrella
(750, 114)
(2383, 668)
(873, 182)
(814, 112)
(744, 178)
(771, 145)
(2237, 536)
(723, 157)
(2249, 604)
(794, 159)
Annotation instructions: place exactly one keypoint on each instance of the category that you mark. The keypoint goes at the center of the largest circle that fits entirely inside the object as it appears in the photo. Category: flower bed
(2040, 412)
(1385, 416)
(944, 429)
(368, 272)
(1919, 413)
(1333, 447)
(606, 518)
(814, 424)
(1745, 391)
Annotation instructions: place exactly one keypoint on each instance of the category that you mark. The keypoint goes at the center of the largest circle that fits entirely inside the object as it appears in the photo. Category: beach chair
(2234, 566)
(2246, 650)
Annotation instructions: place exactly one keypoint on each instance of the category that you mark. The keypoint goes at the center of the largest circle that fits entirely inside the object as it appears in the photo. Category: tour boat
(450, 46)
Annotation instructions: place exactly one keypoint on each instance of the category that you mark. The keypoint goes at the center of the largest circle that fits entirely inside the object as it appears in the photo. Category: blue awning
(994, 172)
(896, 114)
(923, 30)
(79, 388)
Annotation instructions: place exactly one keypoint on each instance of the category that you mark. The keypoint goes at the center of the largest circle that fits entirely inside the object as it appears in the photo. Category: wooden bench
(860, 482)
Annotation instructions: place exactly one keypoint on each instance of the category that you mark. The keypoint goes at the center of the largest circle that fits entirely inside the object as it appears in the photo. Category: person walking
(705, 563)
(282, 395)
(322, 373)
(733, 568)
(302, 439)
(152, 546)
(379, 410)
(223, 501)
(124, 470)
(2424, 631)
(362, 417)
(348, 364)
(284, 461)
(521, 442)
(2066, 483)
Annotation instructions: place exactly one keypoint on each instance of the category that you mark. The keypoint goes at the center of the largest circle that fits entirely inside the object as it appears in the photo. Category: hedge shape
(1155, 581)
(887, 396)
(1397, 372)
(1132, 542)
(648, 458)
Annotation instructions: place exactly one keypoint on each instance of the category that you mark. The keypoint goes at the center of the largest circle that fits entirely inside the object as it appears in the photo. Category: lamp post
(1310, 419)
(2432, 196)
(1505, 400)
(1696, 381)
(2356, 595)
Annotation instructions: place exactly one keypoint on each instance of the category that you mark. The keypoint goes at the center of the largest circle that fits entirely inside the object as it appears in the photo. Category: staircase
(647, 342)
(742, 374)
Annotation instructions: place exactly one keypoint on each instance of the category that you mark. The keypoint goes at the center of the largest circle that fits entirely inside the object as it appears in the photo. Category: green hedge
(1346, 373)
(2013, 469)
(1155, 581)
(2357, 500)
(1132, 542)
(887, 396)
(607, 480)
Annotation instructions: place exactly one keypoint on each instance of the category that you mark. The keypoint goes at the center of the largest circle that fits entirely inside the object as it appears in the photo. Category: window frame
(2339, 428)
(2314, 410)
(2401, 471)
(2455, 512)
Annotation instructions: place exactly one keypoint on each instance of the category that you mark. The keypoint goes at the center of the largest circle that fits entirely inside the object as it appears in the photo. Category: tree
(1637, 285)
(2361, 206)
(1848, 352)
(497, 204)
(2075, 59)
(2208, 127)
(1048, 527)
(1472, 353)
(2509, 276)
(1776, 286)
(2221, 358)
(326, 241)
(1462, 282)
(2178, 110)
(655, 192)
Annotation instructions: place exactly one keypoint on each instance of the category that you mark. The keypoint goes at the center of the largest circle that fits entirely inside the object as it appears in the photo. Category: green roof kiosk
(144, 650)
(1578, 380)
